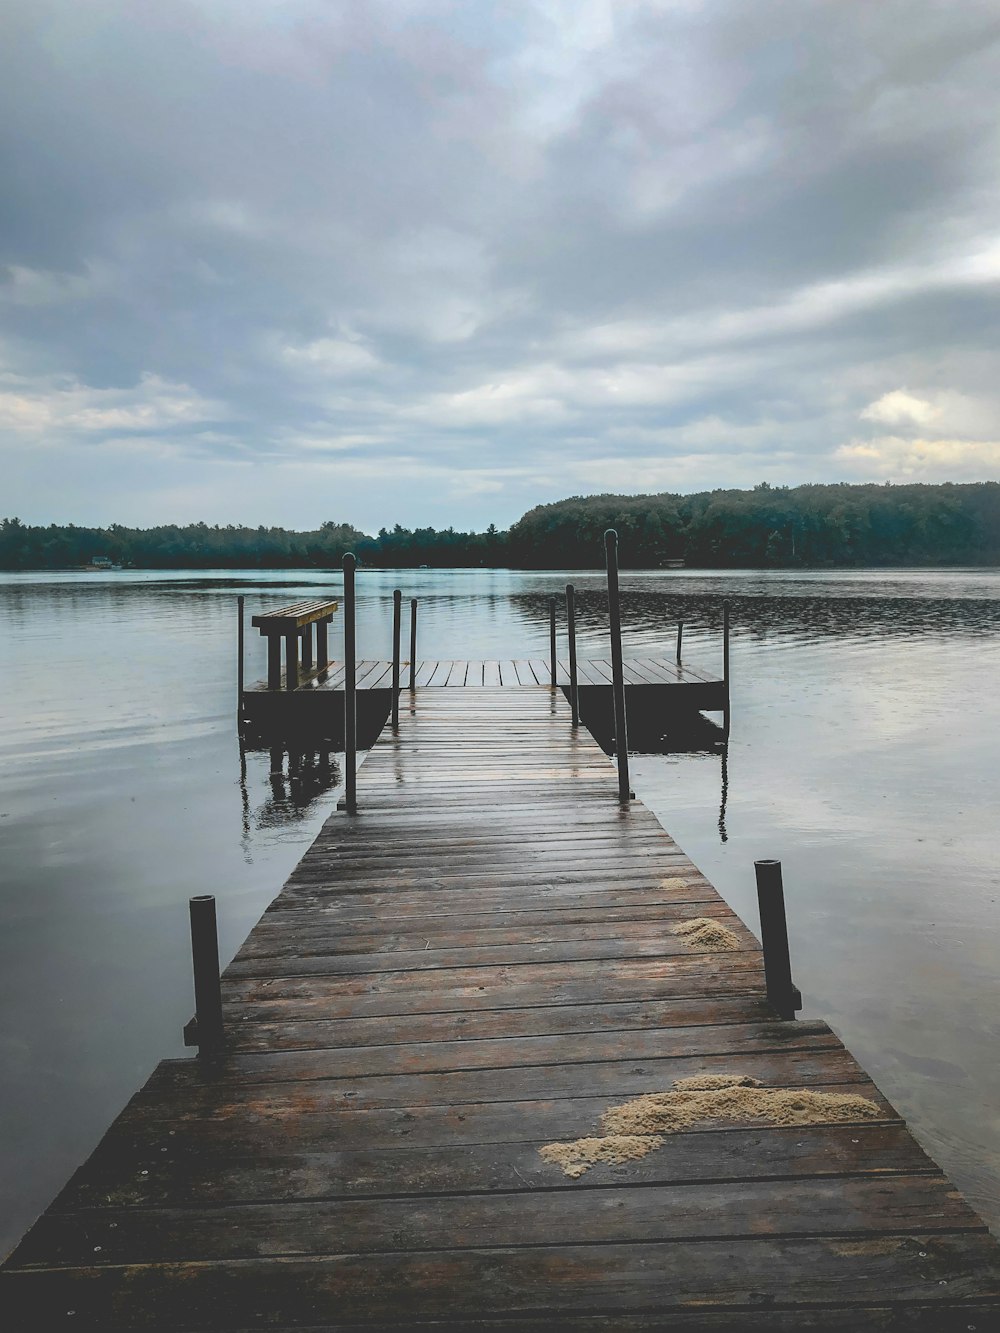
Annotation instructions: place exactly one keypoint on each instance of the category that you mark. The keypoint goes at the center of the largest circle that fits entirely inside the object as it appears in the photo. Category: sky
(435, 262)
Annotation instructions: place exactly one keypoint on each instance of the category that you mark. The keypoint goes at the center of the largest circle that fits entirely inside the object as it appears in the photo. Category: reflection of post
(350, 702)
(244, 798)
(397, 599)
(617, 666)
(239, 658)
(724, 797)
(781, 991)
(574, 684)
(552, 641)
(413, 641)
(725, 667)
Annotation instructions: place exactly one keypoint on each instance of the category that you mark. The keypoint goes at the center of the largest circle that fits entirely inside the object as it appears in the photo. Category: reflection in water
(724, 796)
(297, 776)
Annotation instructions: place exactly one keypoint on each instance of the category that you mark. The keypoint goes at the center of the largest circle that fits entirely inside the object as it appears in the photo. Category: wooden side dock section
(479, 963)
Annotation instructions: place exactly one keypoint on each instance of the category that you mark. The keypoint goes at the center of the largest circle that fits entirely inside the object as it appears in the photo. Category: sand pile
(581, 1154)
(638, 1126)
(704, 933)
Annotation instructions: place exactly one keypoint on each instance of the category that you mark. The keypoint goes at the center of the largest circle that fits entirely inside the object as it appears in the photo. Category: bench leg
(273, 662)
(292, 661)
(322, 659)
(307, 647)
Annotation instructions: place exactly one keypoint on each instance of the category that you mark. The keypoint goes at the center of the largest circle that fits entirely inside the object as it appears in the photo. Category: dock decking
(478, 963)
(497, 674)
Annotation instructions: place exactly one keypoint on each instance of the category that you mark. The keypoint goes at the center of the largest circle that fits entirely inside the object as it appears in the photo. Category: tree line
(767, 527)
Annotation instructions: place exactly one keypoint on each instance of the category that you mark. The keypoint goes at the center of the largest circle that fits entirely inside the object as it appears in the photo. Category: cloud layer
(426, 261)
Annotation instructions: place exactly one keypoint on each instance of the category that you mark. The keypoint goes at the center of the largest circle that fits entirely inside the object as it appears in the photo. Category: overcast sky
(419, 261)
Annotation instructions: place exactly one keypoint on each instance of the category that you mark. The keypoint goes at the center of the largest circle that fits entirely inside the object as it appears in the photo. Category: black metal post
(552, 641)
(239, 654)
(350, 699)
(574, 685)
(413, 641)
(725, 667)
(397, 603)
(781, 990)
(680, 638)
(617, 668)
(207, 1030)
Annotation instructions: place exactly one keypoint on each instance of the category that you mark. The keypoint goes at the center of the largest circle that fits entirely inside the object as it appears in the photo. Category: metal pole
(350, 701)
(781, 990)
(725, 667)
(413, 641)
(239, 658)
(617, 670)
(397, 602)
(680, 637)
(552, 640)
(574, 686)
(208, 1031)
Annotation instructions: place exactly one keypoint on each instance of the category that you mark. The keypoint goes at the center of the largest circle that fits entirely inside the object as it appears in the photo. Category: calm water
(866, 717)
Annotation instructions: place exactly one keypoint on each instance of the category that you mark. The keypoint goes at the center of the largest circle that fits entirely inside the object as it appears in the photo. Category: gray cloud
(422, 261)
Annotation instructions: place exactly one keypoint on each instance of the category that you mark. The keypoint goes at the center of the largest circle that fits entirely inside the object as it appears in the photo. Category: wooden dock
(479, 963)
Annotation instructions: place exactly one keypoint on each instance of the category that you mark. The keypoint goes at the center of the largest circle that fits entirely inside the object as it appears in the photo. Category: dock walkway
(479, 963)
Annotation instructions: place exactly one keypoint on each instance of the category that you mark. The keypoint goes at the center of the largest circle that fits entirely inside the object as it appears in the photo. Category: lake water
(866, 718)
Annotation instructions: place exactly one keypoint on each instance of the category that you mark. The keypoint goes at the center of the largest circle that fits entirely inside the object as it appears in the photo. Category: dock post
(782, 993)
(350, 700)
(574, 685)
(680, 639)
(206, 1032)
(292, 660)
(617, 669)
(725, 668)
(274, 662)
(552, 641)
(413, 642)
(240, 601)
(397, 602)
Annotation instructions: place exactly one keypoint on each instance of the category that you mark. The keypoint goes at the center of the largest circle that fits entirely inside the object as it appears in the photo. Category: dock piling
(292, 660)
(397, 601)
(206, 1032)
(680, 639)
(240, 603)
(617, 668)
(725, 668)
(413, 642)
(552, 641)
(350, 693)
(782, 992)
(574, 684)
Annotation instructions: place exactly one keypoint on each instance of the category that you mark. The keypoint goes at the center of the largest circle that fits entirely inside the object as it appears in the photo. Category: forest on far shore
(767, 527)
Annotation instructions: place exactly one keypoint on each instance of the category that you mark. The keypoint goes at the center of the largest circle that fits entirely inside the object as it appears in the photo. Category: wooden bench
(294, 623)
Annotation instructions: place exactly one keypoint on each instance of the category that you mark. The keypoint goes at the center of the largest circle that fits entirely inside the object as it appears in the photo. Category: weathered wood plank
(131, 1170)
(847, 1206)
(723, 1276)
